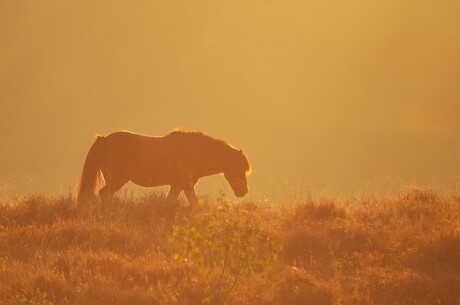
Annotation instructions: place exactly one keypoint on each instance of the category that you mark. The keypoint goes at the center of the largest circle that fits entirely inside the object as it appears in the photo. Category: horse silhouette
(178, 159)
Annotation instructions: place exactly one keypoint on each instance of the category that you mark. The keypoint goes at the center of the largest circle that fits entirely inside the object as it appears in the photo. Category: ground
(402, 249)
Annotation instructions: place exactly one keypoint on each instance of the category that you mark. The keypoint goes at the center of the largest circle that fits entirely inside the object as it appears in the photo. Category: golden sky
(330, 94)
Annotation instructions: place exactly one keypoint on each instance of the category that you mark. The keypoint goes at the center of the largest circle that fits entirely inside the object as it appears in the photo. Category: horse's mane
(200, 134)
(216, 142)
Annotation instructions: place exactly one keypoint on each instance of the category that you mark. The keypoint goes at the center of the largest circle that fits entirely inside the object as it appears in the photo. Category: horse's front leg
(191, 195)
(174, 192)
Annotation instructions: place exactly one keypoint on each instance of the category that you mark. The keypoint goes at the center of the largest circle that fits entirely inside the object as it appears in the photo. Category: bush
(36, 298)
(214, 250)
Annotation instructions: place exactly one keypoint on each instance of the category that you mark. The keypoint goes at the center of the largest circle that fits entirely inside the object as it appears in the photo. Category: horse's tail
(91, 171)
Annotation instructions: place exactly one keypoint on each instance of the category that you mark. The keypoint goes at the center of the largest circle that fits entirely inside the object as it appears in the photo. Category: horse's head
(236, 171)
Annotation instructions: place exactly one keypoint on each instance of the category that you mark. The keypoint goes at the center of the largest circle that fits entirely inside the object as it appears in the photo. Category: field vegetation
(402, 249)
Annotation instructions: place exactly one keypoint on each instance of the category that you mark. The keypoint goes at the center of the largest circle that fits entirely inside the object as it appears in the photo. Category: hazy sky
(333, 95)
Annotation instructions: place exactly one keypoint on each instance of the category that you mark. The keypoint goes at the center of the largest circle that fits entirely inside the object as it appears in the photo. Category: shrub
(38, 297)
(214, 250)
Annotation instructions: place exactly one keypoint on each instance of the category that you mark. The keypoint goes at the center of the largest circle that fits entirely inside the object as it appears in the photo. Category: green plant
(218, 247)
(37, 298)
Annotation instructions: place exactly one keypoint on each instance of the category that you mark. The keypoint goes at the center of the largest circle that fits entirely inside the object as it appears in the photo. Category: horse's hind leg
(112, 185)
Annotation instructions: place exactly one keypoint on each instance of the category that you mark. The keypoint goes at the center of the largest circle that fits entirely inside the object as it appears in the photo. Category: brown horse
(178, 159)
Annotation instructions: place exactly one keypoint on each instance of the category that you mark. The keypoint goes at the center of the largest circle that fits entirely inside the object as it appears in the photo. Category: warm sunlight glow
(276, 152)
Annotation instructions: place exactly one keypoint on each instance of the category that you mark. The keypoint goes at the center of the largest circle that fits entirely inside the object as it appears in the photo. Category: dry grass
(399, 250)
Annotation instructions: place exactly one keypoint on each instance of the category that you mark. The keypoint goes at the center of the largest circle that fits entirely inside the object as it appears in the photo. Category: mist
(338, 97)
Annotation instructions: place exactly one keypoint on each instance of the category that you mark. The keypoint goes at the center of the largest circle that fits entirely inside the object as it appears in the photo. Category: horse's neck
(222, 157)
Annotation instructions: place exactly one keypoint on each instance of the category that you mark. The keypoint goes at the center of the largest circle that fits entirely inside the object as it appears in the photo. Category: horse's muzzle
(241, 193)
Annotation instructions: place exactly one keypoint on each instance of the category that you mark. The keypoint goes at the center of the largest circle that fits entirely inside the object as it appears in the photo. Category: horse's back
(145, 160)
(177, 144)
(126, 136)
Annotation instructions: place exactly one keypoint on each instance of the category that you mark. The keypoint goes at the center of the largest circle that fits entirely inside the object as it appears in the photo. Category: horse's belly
(149, 180)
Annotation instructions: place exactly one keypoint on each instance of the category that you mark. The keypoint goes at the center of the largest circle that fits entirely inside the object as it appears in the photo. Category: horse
(178, 159)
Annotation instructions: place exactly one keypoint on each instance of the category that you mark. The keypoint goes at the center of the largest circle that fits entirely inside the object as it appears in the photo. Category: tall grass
(403, 249)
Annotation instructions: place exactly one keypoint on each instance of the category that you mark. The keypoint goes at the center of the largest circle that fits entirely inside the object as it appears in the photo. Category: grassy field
(394, 250)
